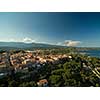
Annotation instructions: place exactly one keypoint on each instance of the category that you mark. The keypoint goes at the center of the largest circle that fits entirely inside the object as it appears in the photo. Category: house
(3, 65)
(70, 57)
(42, 83)
(2, 75)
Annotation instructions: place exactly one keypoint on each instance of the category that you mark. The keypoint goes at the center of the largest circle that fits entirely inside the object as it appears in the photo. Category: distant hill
(22, 45)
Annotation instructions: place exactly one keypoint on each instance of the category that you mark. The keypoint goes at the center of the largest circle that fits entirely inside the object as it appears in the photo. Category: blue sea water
(93, 53)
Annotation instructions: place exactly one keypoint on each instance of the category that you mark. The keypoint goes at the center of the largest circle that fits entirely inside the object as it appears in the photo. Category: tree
(55, 80)
(13, 83)
(28, 84)
(57, 72)
(97, 85)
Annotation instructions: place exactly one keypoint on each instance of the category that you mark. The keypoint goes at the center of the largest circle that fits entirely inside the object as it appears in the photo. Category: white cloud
(71, 43)
(59, 43)
(28, 40)
(25, 40)
(12, 40)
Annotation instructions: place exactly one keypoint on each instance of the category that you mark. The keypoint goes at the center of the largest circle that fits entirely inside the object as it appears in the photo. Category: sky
(61, 28)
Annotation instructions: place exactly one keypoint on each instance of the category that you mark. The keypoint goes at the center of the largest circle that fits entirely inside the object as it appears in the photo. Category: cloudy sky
(71, 29)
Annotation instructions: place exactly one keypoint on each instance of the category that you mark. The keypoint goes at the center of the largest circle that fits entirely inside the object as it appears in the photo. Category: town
(22, 61)
(19, 61)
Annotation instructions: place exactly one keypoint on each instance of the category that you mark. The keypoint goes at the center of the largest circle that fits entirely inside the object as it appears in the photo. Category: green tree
(55, 80)
(28, 84)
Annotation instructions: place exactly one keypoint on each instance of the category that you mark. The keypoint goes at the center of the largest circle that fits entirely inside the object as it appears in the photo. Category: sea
(92, 53)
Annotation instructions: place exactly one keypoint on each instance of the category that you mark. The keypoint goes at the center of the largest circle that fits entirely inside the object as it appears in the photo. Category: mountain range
(22, 45)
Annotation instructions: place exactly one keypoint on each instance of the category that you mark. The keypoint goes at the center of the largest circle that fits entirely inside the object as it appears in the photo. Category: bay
(93, 53)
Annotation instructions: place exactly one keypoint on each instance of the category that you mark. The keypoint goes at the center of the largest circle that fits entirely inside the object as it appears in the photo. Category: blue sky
(76, 29)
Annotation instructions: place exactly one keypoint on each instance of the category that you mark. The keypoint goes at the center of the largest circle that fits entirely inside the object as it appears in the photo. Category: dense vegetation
(68, 72)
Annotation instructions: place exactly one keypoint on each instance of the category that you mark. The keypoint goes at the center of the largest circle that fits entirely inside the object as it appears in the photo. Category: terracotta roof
(43, 81)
